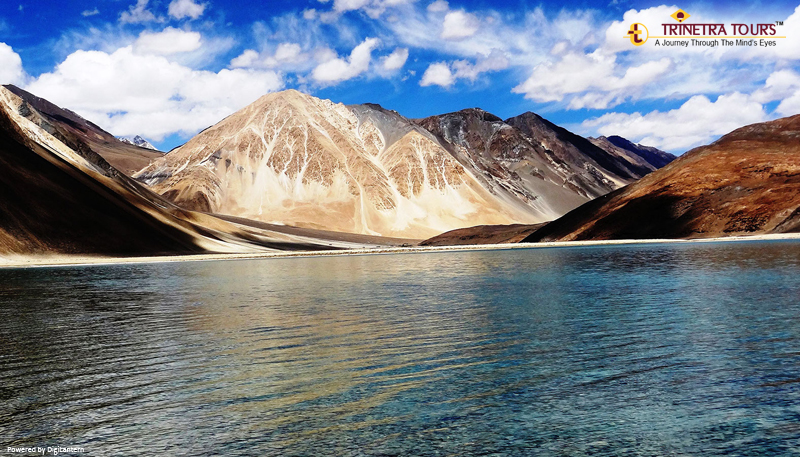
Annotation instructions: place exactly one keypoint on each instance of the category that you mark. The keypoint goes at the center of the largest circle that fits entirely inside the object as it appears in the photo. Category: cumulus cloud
(444, 74)
(437, 74)
(494, 62)
(439, 6)
(248, 59)
(138, 13)
(395, 60)
(287, 56)
(459, 25)
(180, 9)
(593, 79)
(128, 93)
(88, 13)
(11, 71)
(167, 42)
(784, 86)
(679, 130)
(337, 70)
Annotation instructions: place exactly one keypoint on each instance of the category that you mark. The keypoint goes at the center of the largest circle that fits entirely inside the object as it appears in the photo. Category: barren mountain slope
(618, 164)
(295, 159)
(82, 135)
(56, 200)
(645, 156)
(542, 166)
(747, 182)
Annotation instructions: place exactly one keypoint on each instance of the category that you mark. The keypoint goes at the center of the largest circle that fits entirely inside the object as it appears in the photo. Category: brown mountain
(83, 136)
(747, 182)
(484, 234)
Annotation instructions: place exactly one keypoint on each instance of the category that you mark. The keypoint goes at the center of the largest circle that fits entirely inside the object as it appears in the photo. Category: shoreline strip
(31, 261)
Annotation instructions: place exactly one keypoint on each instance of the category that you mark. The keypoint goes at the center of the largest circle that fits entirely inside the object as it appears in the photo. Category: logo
(705, 34)
(638, 34)
(680, 15)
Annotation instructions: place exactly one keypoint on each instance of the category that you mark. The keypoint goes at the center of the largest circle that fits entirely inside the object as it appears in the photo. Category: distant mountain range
(138, 141)
(295, 159)
(295, 172)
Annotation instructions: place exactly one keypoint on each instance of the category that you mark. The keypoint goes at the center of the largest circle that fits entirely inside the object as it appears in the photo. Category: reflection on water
(635, 350)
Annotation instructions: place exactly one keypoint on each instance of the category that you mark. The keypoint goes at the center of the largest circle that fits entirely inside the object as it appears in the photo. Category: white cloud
(783, 85)
(445, 75)
(439, 6)
(138, 13)
(287, 57)
(395, 60)
(338, 69)
(180, 9)
(494, 62)
(459, 25)
(128, 93)
(288, 52)
(698, 121)
(592, 79)
(437, 74)
(88, 13)
(373, 8)
(11, 71)
(167, 42)
(247, 59)
(789, 48)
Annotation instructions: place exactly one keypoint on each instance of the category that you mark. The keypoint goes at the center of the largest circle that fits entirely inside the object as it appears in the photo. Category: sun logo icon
(638, 34)
(680, 15)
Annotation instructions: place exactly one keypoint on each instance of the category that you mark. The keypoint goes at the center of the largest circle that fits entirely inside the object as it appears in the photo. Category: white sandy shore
(29, 261)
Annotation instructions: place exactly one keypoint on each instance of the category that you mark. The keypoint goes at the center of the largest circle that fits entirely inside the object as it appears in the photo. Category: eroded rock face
(295, 159)
(546, 172)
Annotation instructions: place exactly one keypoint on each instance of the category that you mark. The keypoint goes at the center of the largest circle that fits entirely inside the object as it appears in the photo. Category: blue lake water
(642, 350)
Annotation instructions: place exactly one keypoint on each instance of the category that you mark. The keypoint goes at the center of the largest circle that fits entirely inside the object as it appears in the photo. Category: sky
(166, 69)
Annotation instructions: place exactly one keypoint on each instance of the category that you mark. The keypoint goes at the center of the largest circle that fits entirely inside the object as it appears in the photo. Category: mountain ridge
(295, 159)
(83, 135)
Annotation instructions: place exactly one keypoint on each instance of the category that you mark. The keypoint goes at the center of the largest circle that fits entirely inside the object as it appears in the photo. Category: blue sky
(165, 69)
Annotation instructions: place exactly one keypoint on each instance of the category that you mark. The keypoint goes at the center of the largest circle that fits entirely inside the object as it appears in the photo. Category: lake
(637, 350)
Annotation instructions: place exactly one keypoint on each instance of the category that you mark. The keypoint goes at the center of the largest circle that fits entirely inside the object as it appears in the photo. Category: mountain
(580, 153)
(83, 136)
(646, 156)
(294, 159)
(138, 141)
(57, 196)
(747, 182)
(483, 234)
(298, 160)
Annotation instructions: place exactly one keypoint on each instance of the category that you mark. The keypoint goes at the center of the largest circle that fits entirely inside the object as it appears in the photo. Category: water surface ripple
(653, 350)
